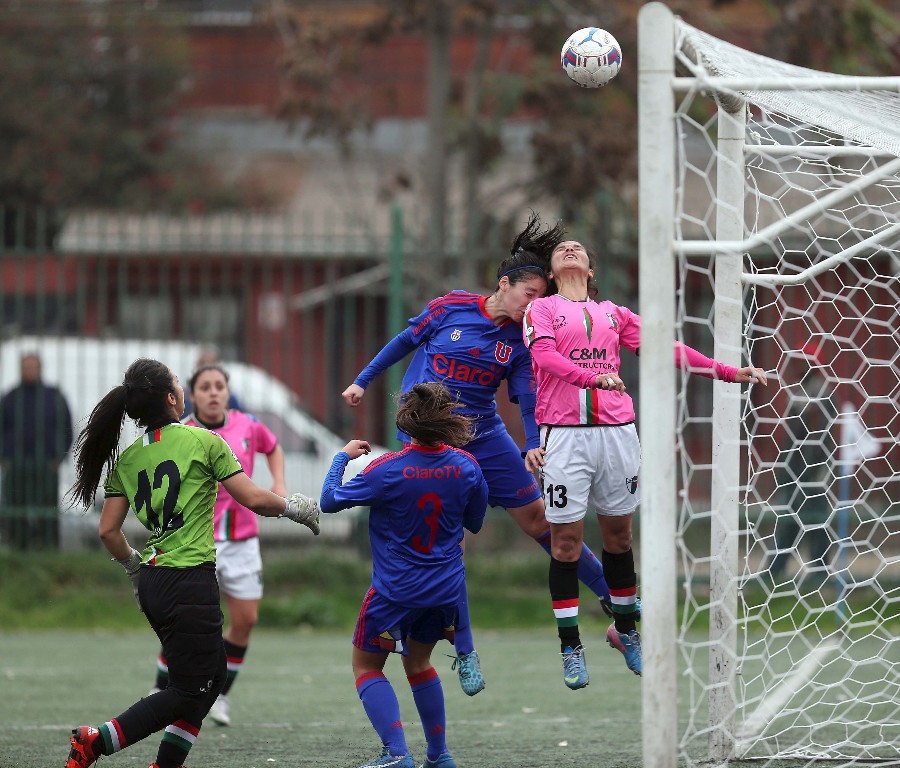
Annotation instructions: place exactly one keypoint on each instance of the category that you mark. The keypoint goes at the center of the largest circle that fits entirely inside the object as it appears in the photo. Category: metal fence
(301, 304)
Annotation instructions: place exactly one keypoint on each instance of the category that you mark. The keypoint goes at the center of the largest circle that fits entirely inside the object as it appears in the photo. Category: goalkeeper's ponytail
(142, 396)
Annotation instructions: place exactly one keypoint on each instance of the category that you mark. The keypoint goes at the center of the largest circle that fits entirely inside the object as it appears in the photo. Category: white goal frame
(658, 86)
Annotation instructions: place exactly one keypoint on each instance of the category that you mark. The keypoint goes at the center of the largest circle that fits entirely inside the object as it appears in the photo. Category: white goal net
(786, 253)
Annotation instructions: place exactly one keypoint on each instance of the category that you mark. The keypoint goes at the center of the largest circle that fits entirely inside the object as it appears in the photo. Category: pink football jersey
(587, 336)
(247, 437)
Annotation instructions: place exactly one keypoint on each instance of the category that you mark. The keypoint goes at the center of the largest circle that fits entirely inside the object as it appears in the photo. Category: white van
(86, 369)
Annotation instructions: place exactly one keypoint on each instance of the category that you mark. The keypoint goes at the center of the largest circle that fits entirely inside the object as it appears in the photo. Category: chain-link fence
(294, 308)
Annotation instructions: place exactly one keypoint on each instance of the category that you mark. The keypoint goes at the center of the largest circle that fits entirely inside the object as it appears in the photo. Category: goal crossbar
(807, 150)
(835, 83)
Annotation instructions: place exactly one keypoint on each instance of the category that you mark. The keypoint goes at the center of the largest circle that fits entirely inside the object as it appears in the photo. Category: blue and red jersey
(457, 343)
(420, 500)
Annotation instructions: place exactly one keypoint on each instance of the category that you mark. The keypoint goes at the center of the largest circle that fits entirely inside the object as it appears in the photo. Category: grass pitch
(295, 704)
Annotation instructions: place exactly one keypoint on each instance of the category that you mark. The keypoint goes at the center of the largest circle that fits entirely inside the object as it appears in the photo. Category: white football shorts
(239, 568)
(592, 468)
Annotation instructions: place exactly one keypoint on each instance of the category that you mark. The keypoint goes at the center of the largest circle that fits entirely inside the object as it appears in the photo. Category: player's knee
(618, 543)
(530, 519)
(246, 624)
(566, 549)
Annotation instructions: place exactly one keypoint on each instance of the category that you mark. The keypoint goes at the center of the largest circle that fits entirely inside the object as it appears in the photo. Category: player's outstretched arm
(392, 352)
(299, 508)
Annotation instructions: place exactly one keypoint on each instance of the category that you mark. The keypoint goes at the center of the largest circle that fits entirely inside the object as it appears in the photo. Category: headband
(529, 266)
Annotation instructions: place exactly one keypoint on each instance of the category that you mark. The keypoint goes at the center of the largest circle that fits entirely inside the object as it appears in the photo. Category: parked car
(86, 369)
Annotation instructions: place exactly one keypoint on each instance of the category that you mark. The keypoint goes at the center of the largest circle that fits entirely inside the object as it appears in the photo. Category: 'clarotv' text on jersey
(588, 334)
(170, 477)
(419, 500)
(246, 436)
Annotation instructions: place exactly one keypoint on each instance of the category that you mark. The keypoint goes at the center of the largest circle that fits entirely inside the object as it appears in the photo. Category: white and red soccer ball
(591, 57)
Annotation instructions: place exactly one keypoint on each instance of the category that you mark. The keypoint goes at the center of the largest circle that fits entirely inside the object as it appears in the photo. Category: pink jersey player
(591, 454)
(247, 437)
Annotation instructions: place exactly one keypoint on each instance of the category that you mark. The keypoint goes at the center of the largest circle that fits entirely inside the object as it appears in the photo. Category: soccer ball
(591, 57)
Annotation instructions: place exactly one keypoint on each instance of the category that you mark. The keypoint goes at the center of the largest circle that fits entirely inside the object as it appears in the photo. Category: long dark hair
(530, 251)
(429, 413)
(142, 397)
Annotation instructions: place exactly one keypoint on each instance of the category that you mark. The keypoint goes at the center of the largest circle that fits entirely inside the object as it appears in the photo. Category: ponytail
(142, 397)
(98, 444)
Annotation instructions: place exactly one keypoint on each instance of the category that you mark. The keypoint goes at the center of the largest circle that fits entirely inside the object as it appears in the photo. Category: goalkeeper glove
(304, 510)
(132, 566)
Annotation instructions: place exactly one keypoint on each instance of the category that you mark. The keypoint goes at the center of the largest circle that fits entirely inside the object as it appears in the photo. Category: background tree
(86, 100)
(584, 141)
(853, 37)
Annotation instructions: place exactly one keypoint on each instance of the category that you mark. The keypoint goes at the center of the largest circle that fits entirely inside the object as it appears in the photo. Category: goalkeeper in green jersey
(170, 478)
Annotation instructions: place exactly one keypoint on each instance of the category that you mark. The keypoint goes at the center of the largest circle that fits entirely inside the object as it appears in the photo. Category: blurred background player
(421, 499)
(210, 355)
(238, 560)
(472, 343)
(589, 453)
(170, 477)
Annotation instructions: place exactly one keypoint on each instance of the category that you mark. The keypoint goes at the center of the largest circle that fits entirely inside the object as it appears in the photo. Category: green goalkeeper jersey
(171, 476)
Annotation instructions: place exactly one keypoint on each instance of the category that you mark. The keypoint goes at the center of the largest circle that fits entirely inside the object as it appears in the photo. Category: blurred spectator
(36, 432)
(210, 355)
(806, 470)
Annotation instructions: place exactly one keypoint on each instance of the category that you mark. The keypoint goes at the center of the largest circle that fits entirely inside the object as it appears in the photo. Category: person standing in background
(36, 430)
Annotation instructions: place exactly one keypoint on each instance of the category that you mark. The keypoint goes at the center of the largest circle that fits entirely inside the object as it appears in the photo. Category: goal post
(656, 174)
(769, 232)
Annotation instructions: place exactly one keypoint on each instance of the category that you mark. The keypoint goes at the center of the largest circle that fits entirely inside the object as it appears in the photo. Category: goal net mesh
(818, 659)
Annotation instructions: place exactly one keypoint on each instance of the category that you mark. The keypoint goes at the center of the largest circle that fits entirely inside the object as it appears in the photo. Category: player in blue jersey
(472, 343)
(420, 500)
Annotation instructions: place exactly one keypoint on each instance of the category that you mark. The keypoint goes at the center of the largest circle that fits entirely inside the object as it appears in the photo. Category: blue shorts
(384, 626)
(509, 482)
